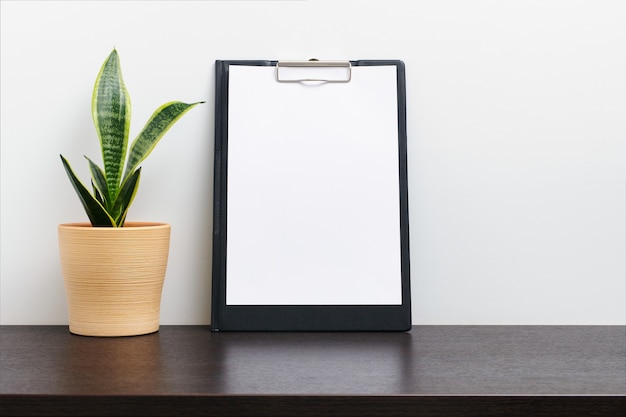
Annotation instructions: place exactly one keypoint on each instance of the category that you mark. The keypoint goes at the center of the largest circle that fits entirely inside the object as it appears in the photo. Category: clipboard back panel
(310, 195)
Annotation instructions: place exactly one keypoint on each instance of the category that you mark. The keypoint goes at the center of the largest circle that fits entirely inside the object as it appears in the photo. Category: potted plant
(113, 270)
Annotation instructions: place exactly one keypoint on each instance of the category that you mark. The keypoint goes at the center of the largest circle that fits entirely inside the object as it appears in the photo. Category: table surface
(437, 370)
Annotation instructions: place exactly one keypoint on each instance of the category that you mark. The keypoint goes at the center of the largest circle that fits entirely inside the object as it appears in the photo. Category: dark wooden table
(430, 371)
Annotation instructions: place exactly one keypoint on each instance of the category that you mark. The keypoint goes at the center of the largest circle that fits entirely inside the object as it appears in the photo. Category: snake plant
(115, 186)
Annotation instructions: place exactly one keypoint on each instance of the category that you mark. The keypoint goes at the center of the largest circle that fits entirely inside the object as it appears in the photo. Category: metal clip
(313, 71)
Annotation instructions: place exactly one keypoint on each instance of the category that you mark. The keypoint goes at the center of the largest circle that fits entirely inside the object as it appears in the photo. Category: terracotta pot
(114, 277)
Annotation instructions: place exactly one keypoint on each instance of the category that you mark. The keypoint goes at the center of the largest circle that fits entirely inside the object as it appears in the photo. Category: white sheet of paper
(313, 211)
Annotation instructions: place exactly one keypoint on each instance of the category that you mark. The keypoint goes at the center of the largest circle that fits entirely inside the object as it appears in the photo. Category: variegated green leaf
(95, 211)
(97, 194)
(159, 123)
(125, 197)
(100, 184)
(110, 107)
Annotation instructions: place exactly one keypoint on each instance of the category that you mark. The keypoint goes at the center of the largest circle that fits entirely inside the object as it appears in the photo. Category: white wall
(516, 125)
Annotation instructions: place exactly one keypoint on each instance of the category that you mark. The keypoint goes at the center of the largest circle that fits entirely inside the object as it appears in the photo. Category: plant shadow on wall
(114, 270)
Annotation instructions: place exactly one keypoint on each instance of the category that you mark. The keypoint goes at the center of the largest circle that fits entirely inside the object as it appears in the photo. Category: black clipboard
(310, 218)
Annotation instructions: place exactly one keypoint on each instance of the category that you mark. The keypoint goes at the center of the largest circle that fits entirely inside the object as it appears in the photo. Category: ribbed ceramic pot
(114, 277)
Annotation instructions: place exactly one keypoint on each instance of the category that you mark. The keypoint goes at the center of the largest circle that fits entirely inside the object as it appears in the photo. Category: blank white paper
(313, 207)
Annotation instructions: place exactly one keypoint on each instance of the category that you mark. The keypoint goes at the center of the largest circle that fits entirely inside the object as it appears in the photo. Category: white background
(516, 135)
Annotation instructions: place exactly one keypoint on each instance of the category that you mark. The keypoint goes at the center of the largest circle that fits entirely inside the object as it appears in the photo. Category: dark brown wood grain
(431, 371)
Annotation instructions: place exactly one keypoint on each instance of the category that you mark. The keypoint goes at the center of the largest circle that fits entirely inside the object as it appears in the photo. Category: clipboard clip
(313, 71)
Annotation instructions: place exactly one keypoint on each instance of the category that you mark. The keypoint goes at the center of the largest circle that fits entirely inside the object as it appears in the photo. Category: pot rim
(127, 225)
